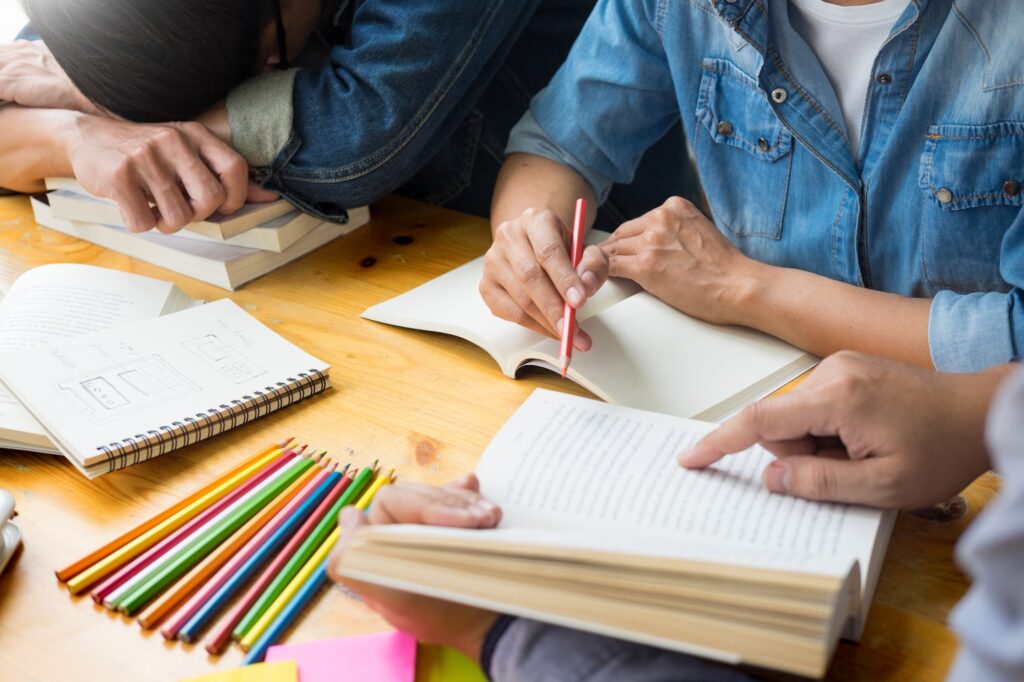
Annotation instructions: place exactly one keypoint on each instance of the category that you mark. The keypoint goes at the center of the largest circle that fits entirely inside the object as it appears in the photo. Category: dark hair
(152, 60)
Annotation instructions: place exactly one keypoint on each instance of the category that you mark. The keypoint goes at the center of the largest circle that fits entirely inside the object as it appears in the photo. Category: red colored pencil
(66, 574)
(568, 312)
(188, 609)
(222, 636)
(140, 562)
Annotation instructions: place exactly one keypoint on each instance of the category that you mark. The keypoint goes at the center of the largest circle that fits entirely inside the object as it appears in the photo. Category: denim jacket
(933, 208)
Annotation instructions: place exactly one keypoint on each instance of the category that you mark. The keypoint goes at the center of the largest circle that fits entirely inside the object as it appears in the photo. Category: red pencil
(139, 563)
(569, 313)
(222, 637)
(188, 609)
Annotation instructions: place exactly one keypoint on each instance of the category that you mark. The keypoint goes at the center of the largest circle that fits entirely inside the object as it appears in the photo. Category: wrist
(470, 640)
(749, 292)
(64, 139)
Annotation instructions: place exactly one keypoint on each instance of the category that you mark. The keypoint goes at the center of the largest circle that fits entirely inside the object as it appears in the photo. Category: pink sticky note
(386, 657)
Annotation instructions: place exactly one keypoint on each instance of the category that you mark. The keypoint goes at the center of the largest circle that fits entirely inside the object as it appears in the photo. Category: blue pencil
(221, 597)
(289, 614)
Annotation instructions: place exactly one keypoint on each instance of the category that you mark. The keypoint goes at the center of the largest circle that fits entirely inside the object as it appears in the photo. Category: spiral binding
(191, 430)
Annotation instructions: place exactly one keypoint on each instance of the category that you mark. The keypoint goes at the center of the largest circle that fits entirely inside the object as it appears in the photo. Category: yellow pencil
(308, 568)
(112, 562)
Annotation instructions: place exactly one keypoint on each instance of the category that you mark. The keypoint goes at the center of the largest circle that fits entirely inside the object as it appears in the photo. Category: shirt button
(779, 95)
(1011, 188)
(724, 128)
(884, 79)
(944, 195)
(762, 144)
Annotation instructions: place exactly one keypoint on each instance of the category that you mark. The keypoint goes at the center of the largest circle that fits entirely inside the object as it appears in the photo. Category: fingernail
(582, 341)
(560, 324)
(574, 297)
(683, 457)
(350, 516)
(590, 281)
(776, 478)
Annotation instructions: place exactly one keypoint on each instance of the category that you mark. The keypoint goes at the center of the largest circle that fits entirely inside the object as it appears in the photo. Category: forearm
(823, 316)
(530, 181)
(31, 146)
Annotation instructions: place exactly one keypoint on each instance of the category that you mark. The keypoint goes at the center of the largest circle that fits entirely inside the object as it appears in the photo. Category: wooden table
(424, 403)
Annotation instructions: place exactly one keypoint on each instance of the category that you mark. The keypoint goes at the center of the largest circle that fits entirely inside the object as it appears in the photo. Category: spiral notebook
(115, 398)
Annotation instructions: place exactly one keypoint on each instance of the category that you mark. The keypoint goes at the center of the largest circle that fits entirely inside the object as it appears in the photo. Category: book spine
(216, 420)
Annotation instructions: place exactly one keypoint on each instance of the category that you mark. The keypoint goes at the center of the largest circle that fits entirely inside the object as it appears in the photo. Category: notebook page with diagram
(115, 398)
(64, 300)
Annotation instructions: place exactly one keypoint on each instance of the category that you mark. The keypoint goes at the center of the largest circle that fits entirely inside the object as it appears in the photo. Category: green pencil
(302, 554)
(194, 551)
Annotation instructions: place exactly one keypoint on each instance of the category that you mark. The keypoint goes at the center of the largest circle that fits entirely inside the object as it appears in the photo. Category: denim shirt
(933, 209)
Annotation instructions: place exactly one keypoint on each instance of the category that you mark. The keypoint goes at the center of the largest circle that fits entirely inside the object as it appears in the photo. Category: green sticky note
(441, 664)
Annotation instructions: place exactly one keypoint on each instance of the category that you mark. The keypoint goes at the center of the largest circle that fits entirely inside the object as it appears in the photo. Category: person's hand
(865, 430)
(528, 274)
(675, 253)
(183, 168)
(434, 621)
(31, 77)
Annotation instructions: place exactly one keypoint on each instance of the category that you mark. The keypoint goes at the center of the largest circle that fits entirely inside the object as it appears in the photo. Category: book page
(648, 355)
(63, 300)
(451, 304)
(101, 389)
(564, 463)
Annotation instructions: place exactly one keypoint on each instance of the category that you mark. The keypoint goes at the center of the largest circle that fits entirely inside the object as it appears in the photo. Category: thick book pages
(646, 354)
(71, 201)
(602, 530)
(65, 300)
(112, 399)
(216, 263)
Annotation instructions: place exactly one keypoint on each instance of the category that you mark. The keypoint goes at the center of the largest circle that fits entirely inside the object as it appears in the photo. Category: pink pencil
(177, 537)
(569, 313)
(189, 608)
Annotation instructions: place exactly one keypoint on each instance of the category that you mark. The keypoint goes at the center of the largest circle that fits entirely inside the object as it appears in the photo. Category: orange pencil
(85, 562)
(194, 578)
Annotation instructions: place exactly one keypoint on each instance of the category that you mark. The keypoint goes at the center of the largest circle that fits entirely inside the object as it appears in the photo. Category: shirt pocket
(972, 177)
(743, 152)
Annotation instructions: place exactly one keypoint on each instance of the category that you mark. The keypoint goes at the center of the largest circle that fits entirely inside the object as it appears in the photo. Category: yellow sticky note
(281, 671)
(441, 664)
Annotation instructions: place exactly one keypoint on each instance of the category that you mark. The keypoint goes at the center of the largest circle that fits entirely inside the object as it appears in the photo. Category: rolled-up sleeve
(610, 101)
(969, 332)
(260, 113)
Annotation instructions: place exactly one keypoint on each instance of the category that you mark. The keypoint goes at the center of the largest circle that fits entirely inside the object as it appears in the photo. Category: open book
(115, 398)
(646, 354)
(602, 531)
(59, 301)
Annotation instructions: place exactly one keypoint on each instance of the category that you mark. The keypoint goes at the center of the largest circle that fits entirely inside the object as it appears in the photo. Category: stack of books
(226, 251)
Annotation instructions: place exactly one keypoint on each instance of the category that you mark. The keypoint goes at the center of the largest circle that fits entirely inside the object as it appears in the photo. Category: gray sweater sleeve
(529, 650)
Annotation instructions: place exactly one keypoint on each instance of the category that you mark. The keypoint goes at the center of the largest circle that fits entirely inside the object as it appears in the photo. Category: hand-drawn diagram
(223, 358)
(108, 393)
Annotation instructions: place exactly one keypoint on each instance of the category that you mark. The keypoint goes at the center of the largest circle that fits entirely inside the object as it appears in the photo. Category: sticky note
(386, 657)
(283, 671)
(442, 664)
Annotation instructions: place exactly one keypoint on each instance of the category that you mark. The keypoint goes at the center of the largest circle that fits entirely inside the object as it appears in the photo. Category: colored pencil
(65, 574)
(193, 615)
(166, 602)
(133, 548)
(223, 634)
(301, 556)
(139, 563)
(301, 588)
(201, 546)
(568, 312)
(238, 498)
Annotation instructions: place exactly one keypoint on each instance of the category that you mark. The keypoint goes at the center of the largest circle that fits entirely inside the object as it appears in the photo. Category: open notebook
(646, 354)
(114, 398)
(602, 530)
(64, 300)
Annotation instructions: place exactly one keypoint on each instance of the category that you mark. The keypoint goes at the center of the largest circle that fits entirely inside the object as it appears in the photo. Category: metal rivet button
(944, 195)
(724, 128)
(779, 95)
(1011, 188)
(884, 78)
(762, 144)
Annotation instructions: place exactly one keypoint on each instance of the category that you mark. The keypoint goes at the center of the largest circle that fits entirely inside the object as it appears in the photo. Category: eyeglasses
(282, 38)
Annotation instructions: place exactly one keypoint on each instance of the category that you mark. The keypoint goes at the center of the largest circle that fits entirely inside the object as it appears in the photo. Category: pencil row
(256, 539)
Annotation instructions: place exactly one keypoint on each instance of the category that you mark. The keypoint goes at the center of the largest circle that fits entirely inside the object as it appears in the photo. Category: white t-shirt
(847, 40)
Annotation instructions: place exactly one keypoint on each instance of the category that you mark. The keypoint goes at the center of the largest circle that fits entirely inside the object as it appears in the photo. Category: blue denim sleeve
(610, 101)
(409, 74)
(529, 650)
